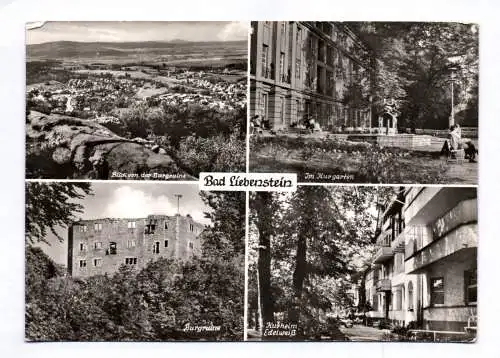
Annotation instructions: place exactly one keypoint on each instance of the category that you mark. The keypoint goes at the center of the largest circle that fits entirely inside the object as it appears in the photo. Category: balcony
(461, 241)
(383, 254)
(464, 212)
(427, 204)
(383, 285)
(398, 245)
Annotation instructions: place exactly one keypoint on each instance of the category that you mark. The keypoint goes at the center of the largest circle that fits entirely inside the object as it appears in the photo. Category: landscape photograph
(135, 100)
(363, 264)
(365, 102)
(122, 261)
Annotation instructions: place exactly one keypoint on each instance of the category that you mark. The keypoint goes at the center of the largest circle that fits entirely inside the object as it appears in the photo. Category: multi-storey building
(103, 245)
(425, 267)
(304, 69)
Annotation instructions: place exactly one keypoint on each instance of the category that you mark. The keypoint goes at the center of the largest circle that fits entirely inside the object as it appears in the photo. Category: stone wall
(404, 140)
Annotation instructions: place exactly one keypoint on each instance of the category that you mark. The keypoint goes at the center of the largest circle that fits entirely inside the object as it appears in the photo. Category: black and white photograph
(134, 262)
(135, 100)
(363, 264)
(365, 102)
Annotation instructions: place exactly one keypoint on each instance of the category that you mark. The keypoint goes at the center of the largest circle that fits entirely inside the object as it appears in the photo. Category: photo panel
(363, 264)
(139, 262)
(135, 100)
(365, 102)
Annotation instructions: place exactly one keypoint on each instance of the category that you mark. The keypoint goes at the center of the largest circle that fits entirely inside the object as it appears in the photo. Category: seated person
(310, 123)
(470, 151)
(446, 150)
(455, 138)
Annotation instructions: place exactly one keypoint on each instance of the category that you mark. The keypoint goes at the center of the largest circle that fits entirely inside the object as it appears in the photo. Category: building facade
(103, 245)
(300, 70)
(425, 267)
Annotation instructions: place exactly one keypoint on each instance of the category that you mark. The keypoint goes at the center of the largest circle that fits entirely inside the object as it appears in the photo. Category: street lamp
(453, 68)
(452, 114)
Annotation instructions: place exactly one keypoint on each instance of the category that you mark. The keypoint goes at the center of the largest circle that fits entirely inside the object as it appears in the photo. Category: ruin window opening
(112, 248)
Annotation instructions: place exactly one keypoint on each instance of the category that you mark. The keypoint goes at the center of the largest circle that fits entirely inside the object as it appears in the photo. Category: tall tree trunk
(299, 275)
(264, 209)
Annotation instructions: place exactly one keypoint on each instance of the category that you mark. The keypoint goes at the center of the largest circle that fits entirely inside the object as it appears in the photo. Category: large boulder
(63, 147)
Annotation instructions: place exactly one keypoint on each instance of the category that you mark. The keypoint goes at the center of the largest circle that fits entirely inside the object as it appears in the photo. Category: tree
(228, 219)
(414, 63)
(263, 207)
(51, 205)
(320, 236)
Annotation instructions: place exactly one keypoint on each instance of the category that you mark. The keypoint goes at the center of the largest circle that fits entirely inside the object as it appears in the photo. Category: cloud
(127, 202)
(234, 31)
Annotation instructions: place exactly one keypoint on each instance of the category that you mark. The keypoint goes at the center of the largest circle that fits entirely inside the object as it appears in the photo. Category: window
(329, 83)
(297, 68)
(312, 45)
(112, 248)
(327, 28)
(437, 291)
(166, 225)
(470, 285)
(97, 227)
(97, 262)
(398, 299)
(319, 81)
(410, 296)
(131, 225)
(190, 245)
(298, 39)
(375, 302)
(265, 104)
(283, 35)
(191, 227)
(265, 53)
(82, 246)
(130, 243)
(82, 228)
(131, 261)
(321, 51)
(156, 247)
(282, 67)
(97, 245)
(166, 243)
(83, 263)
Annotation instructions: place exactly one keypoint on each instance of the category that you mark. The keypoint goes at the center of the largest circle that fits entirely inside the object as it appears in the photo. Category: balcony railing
(383, 285)
(463, 212)
(398, 244)
(383, 254)
(384, 238)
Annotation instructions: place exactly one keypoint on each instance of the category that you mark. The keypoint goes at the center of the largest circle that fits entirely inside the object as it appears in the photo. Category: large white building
(425, 267)
(300, 69)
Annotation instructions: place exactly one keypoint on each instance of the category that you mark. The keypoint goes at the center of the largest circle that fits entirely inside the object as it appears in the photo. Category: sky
(132, 31)
(132, 200)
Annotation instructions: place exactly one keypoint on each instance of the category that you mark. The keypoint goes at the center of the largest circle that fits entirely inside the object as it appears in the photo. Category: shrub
(217, 154)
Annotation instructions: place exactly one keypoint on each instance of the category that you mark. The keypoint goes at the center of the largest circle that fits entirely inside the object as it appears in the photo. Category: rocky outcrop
(63, 147)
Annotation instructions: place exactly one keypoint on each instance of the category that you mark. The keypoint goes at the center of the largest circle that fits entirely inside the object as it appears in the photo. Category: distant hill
(70, 49)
